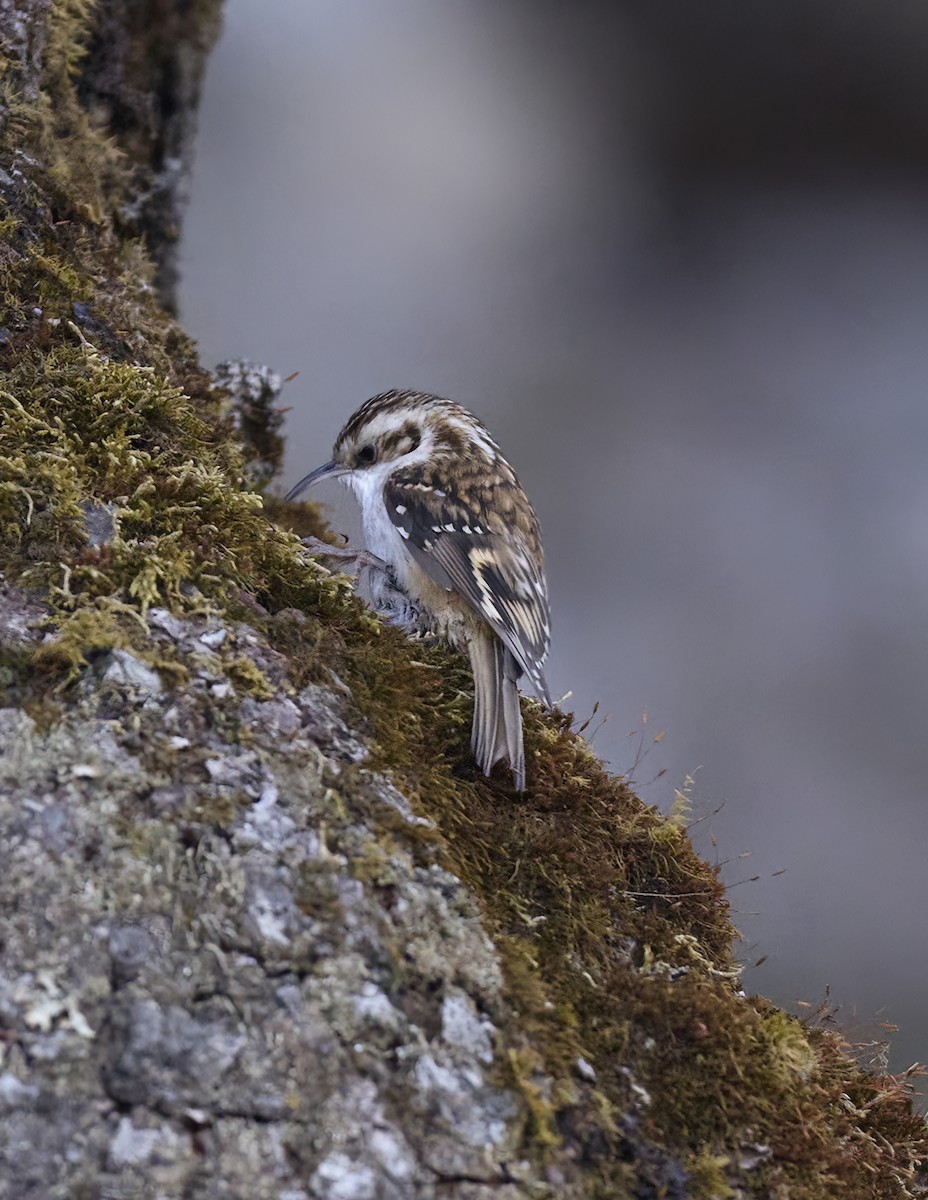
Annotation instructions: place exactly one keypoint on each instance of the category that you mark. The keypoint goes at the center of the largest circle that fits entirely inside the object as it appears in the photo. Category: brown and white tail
(497, 729)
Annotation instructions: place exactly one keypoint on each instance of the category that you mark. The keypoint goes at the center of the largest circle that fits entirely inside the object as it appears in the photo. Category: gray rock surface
(219, 978)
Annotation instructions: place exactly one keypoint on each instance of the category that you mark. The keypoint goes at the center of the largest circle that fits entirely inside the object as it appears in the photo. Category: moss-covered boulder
(264, 931)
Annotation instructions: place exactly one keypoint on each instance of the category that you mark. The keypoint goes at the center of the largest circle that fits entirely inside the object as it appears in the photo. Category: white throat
(381, 535)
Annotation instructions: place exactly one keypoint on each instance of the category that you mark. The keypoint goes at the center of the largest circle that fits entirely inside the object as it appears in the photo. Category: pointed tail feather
(497, 728)
(509, 731)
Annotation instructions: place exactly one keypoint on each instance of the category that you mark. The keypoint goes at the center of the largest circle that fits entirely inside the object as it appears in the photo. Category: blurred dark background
(677, 257)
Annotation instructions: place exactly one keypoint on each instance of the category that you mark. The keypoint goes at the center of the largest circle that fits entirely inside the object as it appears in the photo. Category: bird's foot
(387, 598)
(350, 561)
(425, 637)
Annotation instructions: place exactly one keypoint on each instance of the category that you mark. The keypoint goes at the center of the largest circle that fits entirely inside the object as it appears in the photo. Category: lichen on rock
(266, 930)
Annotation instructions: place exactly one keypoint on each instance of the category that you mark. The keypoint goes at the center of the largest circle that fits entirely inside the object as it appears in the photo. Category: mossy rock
(641, 1067)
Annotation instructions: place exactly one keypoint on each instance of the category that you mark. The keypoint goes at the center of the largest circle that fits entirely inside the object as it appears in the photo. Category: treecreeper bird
(457, 546)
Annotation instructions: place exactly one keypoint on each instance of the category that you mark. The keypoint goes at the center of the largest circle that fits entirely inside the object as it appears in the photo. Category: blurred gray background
(678, 261)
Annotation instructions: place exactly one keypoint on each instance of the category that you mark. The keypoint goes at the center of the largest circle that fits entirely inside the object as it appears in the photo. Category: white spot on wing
(401, 508)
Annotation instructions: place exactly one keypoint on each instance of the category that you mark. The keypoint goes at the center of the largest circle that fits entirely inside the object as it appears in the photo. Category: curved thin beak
(329, 470)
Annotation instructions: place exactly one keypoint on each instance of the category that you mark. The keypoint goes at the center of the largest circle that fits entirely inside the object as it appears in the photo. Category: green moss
(526, 1074)
(88, 631)
(68, 31)
(59, 285)
(249, 678)
(707, 1175)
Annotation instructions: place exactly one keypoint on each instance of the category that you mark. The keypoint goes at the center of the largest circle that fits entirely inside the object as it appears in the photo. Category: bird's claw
(352, 560)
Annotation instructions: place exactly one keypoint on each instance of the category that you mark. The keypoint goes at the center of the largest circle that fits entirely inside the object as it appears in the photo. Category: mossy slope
(627, 1028)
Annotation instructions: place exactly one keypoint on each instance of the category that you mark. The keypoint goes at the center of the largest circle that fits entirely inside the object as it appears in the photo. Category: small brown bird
(459, 549)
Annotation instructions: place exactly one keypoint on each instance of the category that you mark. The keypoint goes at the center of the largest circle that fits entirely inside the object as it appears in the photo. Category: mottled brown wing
(496, 572)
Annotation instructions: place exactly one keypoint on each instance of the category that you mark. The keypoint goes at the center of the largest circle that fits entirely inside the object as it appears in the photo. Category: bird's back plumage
(466, 546)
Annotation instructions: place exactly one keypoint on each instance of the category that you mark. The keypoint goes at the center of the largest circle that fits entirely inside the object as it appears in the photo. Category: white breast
(380, 534)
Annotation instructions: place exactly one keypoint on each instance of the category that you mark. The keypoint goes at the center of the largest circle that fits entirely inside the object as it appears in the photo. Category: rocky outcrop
(221, 981)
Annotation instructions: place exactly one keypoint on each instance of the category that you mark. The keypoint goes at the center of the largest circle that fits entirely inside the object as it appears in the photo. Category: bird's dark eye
(366, 455)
